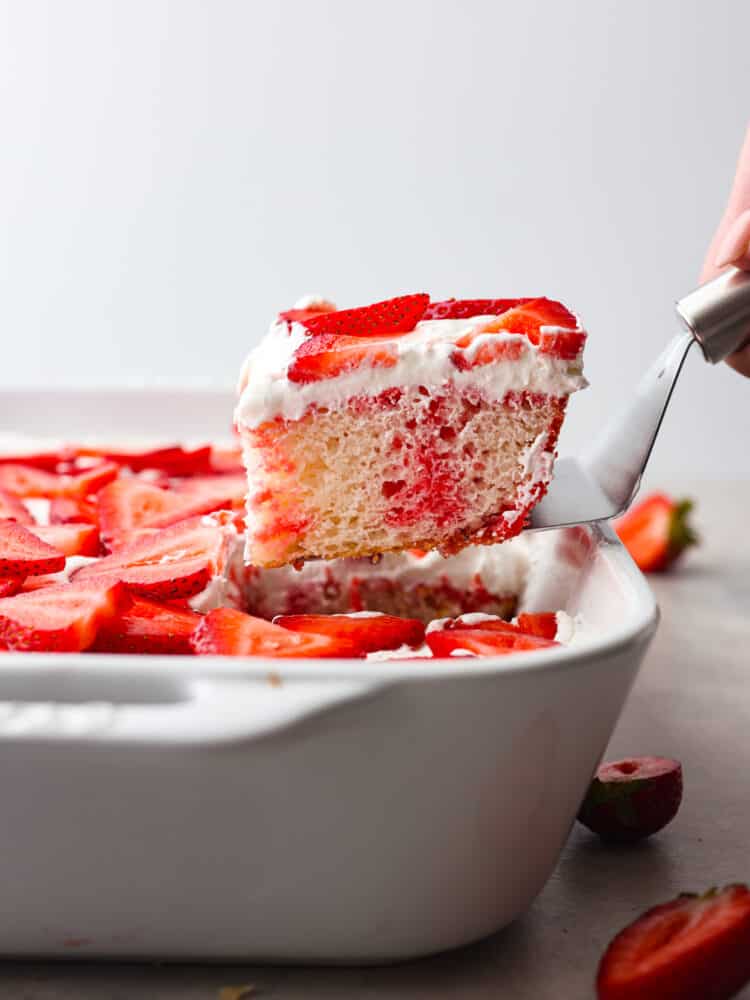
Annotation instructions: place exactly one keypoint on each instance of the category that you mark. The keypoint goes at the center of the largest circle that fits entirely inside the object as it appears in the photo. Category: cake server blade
(604, 480)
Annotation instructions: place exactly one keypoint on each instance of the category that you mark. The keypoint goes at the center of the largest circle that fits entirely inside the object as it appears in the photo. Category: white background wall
(171, 173)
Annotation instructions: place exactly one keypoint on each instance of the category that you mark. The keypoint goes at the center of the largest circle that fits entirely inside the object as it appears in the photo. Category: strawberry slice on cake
(404, 424)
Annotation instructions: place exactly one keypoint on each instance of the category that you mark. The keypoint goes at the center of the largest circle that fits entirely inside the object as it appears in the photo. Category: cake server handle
(718, 314)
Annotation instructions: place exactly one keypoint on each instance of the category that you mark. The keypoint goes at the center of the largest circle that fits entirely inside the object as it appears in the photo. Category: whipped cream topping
(423, 358)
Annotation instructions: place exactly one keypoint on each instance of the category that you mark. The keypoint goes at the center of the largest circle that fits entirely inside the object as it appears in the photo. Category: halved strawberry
(10, 585)
(326, 356)
(541, 623)
(493, 637)
(632, 798)
(657, 531)
(172, 563)
(70, 539)
(24, 554)
(467, 308)
(692, 948)
(488, 351)
(65, 510)
(130, 505)
(62, 618)
(225, 632)
(366, 633)
(565, 344)
(394, 316)
(26, 481)
(12, 509)
(145, 626)
(173, 460)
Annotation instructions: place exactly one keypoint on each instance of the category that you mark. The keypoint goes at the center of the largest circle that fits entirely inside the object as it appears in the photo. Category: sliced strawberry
(174, 460)
(172, 563)
(467, 308)
(12, 509)
(493, 637)
(64, 510)
(10, 585)
(366, 634)
(529, 317)
(70, 539)
(326, 356)
(146, 626)
(541, 623)
(225, 632)
(25, 481)
(226, 460)
(60, 619)
(24, 554)
(47, 460)
(302, 315)
(565, 344)
(631, 799)
(692, 948)
(657, 531)
(231, 490)
(394, 316)
(129, 505)
(489, 351)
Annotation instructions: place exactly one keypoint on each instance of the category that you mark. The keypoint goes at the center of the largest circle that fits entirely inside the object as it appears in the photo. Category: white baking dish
(310, 811)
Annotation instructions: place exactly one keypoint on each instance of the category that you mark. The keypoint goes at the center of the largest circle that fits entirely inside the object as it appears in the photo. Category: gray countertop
(691, 701)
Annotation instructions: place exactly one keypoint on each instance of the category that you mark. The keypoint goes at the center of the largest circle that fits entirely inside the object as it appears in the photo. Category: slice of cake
(405, 424)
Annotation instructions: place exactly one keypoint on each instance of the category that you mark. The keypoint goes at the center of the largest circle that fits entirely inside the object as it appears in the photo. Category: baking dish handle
(197, 711)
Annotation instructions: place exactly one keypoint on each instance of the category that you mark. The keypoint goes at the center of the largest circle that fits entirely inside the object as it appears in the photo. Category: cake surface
(406, 424)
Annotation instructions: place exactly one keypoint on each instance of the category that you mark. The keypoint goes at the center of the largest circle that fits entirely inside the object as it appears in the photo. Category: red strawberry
(532, 314)
(61, 619)
(657, 531)
(25, 481)
(129, 505)
(64, 510)
(467, 308)
(493, 637)
(172, 563)
(366, 633)
(226, 460)
(174, 460)
(489, 351)
(70, 539)
(565, 344)
(692, 948)
(326, 356)
(10, 585)
(47, 460)
(23, 554)
(148, 627)
(12, 509)
(225, 632)
(394, 316)
(543, 623)
(302, 315)
(231, 490)
(631, 799)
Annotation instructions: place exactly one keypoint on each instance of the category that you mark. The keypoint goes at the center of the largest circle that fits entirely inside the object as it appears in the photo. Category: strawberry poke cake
(404, 424)
(143, 553)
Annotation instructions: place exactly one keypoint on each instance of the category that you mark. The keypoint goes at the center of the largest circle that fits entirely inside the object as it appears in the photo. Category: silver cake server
(603, 482)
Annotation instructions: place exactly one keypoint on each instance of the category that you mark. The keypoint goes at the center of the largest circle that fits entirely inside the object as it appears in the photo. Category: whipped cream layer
(424, 358)
(501, 569)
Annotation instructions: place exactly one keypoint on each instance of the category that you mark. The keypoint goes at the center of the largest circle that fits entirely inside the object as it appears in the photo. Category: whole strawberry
(657, 531)
(631, 799)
